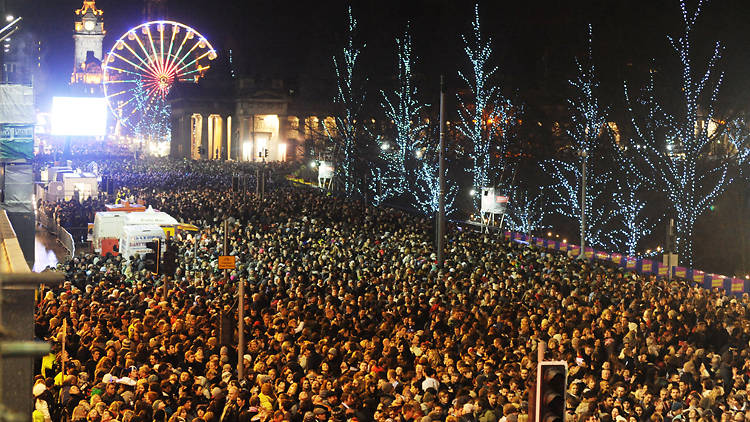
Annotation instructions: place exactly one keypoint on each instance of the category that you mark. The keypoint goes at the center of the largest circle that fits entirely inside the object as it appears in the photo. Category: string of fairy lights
(486, 118)
(404, 110)
(688, 179)
(350, 96)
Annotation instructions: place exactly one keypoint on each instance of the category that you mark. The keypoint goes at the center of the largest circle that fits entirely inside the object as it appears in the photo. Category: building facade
(242, 119)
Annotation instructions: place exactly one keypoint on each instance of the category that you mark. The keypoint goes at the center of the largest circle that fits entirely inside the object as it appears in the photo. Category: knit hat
(38, 389)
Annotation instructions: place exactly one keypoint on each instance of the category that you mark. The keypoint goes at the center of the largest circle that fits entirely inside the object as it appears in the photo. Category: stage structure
(492, 205)
(325, 174)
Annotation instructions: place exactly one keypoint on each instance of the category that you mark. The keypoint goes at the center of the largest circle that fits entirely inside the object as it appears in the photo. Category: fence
(731, 285)
(63, 236)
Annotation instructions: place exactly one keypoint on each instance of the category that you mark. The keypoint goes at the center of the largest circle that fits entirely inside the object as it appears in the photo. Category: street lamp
(385, 146)
(584, 155)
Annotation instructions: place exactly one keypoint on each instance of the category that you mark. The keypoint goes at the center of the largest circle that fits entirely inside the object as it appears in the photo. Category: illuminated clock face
(89, 25)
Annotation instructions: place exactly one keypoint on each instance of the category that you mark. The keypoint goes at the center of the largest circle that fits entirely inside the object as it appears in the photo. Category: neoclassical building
(241, 119)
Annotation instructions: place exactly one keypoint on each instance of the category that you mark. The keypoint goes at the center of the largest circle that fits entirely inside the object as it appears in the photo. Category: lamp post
(440, 223)
(584, 155)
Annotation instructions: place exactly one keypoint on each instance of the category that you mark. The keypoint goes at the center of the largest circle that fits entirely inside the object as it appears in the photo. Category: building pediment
(256, 106)
(264, 95)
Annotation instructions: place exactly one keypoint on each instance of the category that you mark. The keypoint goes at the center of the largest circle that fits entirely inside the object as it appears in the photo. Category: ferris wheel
(142, 66)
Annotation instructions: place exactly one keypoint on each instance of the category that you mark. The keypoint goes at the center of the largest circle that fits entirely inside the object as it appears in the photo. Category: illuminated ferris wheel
(143, 65)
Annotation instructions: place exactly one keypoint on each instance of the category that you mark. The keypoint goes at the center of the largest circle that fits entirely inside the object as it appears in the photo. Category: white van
(134, 239)
(152, 217)
(107, 225)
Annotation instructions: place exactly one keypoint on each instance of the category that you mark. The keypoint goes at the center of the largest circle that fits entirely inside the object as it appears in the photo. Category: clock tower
(88, 36)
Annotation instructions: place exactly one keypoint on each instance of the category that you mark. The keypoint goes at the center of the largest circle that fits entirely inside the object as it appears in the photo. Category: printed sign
(16, 142)
(227, 262)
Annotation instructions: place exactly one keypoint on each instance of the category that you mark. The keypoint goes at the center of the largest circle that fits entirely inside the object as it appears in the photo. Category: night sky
(535, 41)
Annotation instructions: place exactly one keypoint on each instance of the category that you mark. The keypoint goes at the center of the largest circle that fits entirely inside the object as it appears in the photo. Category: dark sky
(535, 41)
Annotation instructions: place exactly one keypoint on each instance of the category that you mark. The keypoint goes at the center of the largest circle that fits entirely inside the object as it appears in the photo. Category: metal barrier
(63, 236)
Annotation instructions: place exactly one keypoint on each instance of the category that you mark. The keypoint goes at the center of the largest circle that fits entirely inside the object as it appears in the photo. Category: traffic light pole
(263, 176)
(240, 311)
(158, 255)
(166, 276)
(257, 182)
(440, 244)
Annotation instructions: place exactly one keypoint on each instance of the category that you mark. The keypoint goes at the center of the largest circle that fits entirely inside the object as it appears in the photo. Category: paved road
(48, 251)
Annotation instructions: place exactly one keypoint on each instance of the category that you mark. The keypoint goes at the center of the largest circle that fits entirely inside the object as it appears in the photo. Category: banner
(733, 285)
(717, 282)
(16, 142)
(647, 266)
(738, 285)
(698, 276)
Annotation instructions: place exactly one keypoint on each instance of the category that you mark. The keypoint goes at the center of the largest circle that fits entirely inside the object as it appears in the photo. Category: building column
(242, 130)
(211, 140)
(227, 134)
(222, 139)
(183, 135)
(251, 138)
(219, 138)
(282, 137)
(194, 137)
(204, 137)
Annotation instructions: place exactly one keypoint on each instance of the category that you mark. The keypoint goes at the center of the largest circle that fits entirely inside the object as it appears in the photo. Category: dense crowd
(73, 213)
(147, 176)
(348, 318)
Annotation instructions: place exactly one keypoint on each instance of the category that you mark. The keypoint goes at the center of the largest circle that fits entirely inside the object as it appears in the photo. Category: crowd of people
(348, 317)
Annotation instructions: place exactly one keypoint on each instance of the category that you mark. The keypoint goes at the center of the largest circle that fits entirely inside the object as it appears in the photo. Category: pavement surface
(48, 251)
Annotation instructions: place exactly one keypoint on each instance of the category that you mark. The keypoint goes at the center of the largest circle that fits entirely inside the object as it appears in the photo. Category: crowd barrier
(736, 286)
(63, 236)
